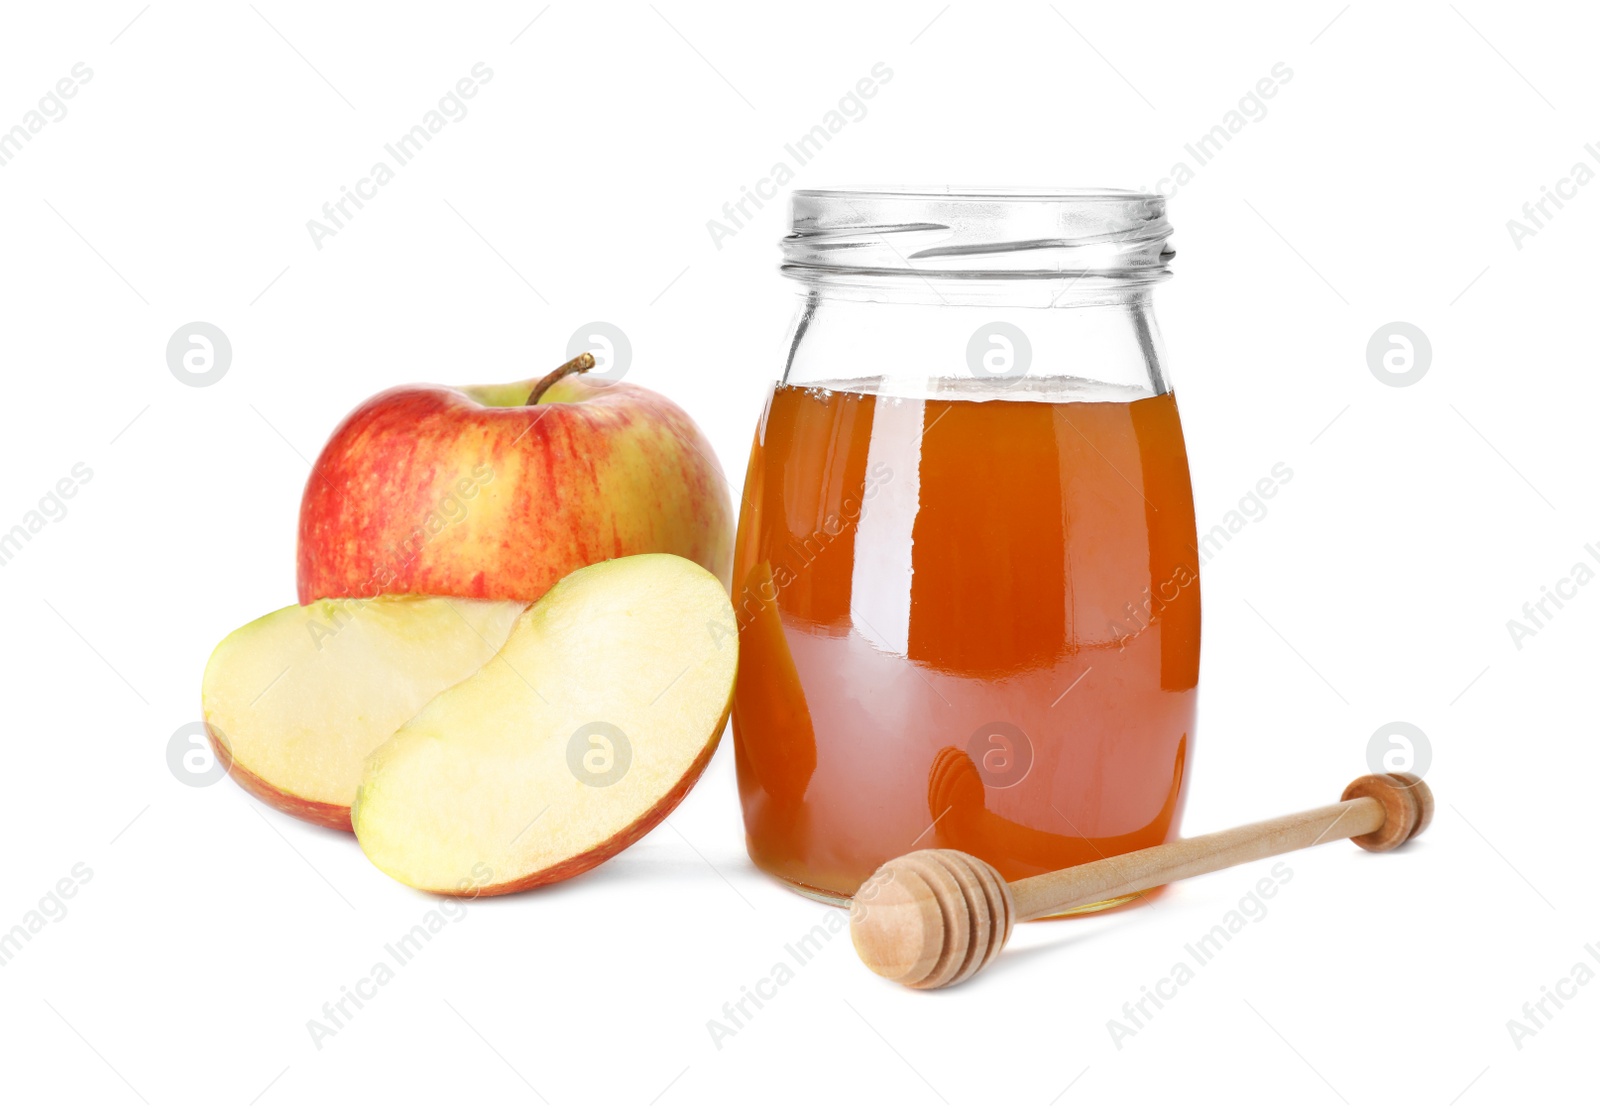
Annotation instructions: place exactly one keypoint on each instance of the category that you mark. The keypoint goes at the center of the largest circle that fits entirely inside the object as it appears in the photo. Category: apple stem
(578, 365)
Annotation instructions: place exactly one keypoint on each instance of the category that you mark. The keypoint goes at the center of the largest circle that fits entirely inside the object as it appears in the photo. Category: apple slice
(295, 701)
(584, 732)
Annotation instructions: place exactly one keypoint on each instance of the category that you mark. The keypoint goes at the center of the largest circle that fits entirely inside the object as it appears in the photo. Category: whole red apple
(500, 491)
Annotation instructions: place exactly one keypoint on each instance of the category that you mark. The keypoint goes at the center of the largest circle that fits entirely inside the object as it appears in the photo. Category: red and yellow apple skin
(470, 492)
(326, 814)
(594, 857)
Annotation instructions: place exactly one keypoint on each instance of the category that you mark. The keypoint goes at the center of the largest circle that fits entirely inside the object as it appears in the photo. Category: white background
(1378, 587)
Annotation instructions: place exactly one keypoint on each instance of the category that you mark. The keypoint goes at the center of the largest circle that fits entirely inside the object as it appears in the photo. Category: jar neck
(1039, 339)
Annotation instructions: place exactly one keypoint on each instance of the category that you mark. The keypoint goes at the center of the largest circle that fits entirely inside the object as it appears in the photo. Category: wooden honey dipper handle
(936, 917)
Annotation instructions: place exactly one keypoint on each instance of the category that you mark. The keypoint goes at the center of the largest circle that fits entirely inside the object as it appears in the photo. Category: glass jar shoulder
(1106, 349)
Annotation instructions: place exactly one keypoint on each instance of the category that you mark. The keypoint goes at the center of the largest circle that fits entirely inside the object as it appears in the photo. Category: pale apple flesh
(295, 701)
(474, 493)
(598, 714)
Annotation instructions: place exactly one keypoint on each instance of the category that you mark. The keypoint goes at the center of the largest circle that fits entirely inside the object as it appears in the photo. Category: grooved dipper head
(931, 918)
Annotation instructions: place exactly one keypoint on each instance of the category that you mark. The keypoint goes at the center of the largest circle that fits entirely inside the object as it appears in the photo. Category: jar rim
(1104, 236)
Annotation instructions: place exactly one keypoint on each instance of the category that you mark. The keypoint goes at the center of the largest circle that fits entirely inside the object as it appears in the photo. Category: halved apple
(586, 729)
(295, 701)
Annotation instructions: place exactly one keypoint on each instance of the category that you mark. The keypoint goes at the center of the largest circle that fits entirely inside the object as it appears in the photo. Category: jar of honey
(966, 576)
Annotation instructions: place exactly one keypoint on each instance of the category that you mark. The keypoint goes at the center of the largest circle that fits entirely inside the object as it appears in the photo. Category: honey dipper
(936, 917)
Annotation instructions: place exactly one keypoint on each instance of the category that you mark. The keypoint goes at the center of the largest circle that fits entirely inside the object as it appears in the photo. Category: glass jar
(966, 577)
